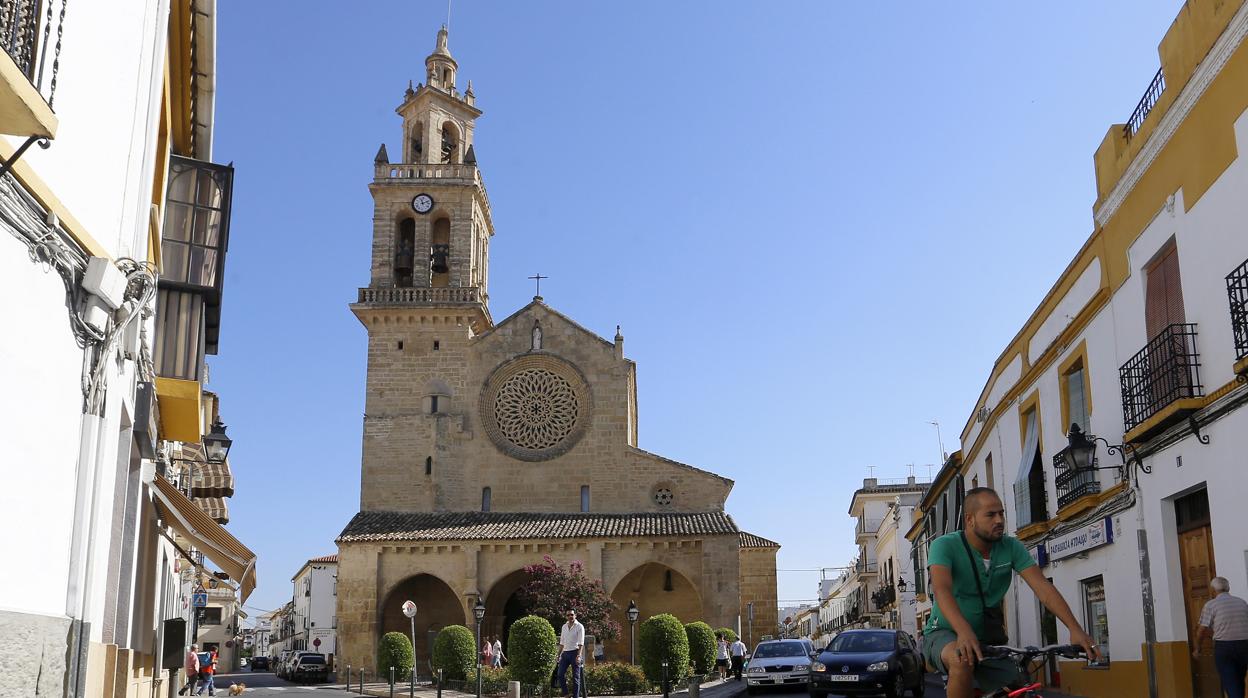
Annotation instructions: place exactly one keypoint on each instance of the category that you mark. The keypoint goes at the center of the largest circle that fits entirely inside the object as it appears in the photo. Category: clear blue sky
(818, 222)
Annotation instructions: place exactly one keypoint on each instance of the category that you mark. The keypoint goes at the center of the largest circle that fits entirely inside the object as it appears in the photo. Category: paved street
(263, 683)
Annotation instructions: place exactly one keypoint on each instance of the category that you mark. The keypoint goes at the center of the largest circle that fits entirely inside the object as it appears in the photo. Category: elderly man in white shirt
(571, 641)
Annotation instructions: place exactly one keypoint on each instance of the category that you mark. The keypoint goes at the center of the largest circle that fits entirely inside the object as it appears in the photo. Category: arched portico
(503, 606)
(655, 588)
(437, 606)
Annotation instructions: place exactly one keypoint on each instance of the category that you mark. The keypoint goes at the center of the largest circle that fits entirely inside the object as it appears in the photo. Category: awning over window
(216, 543)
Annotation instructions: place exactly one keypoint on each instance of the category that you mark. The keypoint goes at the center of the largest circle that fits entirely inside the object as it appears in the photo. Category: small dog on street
(236, 689)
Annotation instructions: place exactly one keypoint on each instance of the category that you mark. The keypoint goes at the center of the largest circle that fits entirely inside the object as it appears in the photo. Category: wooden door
(1196, 558)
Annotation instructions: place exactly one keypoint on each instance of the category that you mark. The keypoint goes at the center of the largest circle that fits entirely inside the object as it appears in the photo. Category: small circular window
(663, 496)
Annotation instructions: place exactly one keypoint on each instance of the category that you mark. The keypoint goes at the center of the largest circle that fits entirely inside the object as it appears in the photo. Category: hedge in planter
(454, 652)
(701, 646)
(615, 679)
(532, 650)
(663, 639)
(729, 634)
(395, 651)
(493, 681)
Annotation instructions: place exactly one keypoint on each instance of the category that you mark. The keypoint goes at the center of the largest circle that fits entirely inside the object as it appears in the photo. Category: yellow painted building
(1142, 342)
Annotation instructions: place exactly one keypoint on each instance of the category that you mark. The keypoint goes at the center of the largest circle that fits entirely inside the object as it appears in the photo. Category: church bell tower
(427, 295)
(431, 215)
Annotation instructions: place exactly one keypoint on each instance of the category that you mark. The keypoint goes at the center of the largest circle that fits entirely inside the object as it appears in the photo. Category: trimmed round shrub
(532, 650)
(395, 651)
(454, 652)
(701, 646)
(729, 634)
(663, 639)
(615, 679)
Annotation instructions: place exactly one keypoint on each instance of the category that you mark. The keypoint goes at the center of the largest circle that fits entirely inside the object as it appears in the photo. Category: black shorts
(721, 662)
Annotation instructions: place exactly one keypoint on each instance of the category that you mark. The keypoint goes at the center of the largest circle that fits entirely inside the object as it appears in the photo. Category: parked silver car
(778, 663)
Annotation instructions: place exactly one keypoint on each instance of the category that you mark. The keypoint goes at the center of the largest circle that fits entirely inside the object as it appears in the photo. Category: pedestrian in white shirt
(571, 642)
(498, 653)
(721, 656)
(738, 658)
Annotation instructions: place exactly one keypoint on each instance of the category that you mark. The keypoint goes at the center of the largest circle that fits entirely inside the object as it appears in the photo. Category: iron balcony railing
(1147, 102)
(1165, 370)
(1074, 484)
(19, 31)
(1237, 292)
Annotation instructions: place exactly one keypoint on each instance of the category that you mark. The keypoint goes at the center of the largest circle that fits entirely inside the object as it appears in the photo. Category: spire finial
(441, 46)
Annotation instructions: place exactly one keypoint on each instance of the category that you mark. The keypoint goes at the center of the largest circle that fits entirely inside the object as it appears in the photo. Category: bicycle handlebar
(1067, 651)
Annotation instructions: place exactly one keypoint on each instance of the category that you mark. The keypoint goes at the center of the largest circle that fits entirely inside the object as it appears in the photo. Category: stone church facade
(490, 445)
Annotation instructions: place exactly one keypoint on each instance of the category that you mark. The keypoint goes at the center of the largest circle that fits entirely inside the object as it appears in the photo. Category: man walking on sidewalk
(1225, 618)
(571, 641)
(191, 666)
(738, 658)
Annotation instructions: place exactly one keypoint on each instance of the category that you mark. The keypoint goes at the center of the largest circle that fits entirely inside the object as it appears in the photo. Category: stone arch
(451, 142)
(416, 142)
(503, 606)
(405, 251)
(656, 588)
(437, 606)
(440, 252)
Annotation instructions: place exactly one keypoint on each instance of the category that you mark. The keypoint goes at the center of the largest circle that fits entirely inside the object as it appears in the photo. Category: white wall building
(874, 507)
(95, 134)
(892, 551)
(315, 602)
(1143, 342)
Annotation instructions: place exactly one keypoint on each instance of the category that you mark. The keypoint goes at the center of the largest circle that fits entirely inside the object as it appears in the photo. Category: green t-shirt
(1007, 554)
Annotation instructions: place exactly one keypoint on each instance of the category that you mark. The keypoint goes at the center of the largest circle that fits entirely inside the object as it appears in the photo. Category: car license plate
(843, 677)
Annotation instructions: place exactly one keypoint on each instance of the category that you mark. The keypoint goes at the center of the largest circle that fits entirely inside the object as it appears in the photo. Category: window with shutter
(1163, 293)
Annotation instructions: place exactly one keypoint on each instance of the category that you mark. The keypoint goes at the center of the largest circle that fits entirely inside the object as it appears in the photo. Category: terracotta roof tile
(384, 525)
(749, 540)
(325, 558)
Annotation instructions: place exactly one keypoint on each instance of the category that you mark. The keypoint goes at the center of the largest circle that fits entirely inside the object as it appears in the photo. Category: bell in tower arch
(439, 259)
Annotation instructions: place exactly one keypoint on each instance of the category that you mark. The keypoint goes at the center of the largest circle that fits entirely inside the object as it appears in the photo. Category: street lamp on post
(633, 613)
(479, 612)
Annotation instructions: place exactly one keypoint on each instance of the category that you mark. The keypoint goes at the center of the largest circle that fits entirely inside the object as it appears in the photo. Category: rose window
(536, 409)
(662, 496)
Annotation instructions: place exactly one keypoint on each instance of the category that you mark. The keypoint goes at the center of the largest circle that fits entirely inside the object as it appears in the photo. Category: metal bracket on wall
(8, 164)
(1191, 422)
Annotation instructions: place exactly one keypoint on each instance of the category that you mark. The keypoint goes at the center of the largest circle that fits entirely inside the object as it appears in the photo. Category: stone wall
(400, 433)
(33, 654)
(375, 578)
(758, 584)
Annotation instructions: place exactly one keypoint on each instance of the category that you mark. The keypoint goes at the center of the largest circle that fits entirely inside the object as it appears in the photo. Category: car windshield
(311, 660)
(780, 649)
(862, 642)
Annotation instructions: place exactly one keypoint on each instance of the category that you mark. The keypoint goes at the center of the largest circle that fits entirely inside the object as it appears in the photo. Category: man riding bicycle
(971, 571)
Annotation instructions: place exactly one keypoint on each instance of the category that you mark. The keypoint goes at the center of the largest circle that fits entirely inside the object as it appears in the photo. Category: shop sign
(1081, 540)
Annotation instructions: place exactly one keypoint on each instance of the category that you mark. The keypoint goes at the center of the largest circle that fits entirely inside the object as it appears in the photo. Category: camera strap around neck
(975, 565)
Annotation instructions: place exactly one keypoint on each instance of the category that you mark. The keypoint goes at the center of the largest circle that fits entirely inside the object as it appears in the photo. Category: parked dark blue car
(868, 662)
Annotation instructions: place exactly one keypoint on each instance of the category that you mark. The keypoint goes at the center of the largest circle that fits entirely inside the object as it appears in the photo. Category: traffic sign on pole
(409, 609)
(199, 599)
